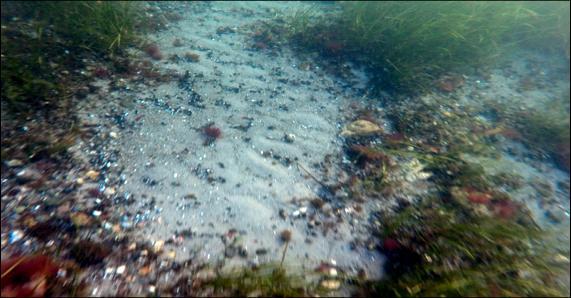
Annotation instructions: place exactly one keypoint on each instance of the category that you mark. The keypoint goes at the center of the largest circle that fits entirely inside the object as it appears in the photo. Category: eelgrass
(410, 44)
(269, 280)
(101, 26)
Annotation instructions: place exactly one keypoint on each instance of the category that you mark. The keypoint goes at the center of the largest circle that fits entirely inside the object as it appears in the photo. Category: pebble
(14, 163)
(27, 175)
(113, 134)
(121, 269)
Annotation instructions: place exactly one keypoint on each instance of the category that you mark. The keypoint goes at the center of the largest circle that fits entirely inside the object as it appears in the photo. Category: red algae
(101, 72)
(27, 276)
(390, 244)
(479, 197)
(505, 209)
(211, 133)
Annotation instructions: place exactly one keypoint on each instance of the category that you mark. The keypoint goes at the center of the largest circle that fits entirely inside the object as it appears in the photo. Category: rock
(361, 128)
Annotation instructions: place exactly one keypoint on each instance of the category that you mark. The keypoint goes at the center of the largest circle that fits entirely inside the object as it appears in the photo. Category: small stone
(171, 254)
(152, 289)
(230, 251)
(91, 174)
(15, 236)
(330, 284)
(96, 213)
(289, 137)
(121, 269)
(80, 181)
(113, 134)
(282, 214)
(79, 219)
(14, 163)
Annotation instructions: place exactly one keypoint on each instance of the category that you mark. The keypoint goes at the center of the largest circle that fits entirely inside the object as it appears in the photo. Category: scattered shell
(80, 181)
(330, 284)
(561, 258)
(91, 174)
(289, 137)
(361, 128)
(332, 272)
(113, 134)
(158, 246)
(121, 269)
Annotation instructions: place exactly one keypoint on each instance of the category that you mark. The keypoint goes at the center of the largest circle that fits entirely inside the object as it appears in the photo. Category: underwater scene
(282, 148)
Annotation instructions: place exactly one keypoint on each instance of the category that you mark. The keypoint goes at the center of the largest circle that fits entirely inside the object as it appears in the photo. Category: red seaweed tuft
(390, 244)
(212, 133)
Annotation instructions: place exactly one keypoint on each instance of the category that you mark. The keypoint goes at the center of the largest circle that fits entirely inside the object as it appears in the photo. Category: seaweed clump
(441, 248)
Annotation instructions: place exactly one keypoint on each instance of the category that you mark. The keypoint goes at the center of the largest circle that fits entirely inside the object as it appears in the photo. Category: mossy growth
(26, 76)
(410, 44)
(439, 248)
(269, 280)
